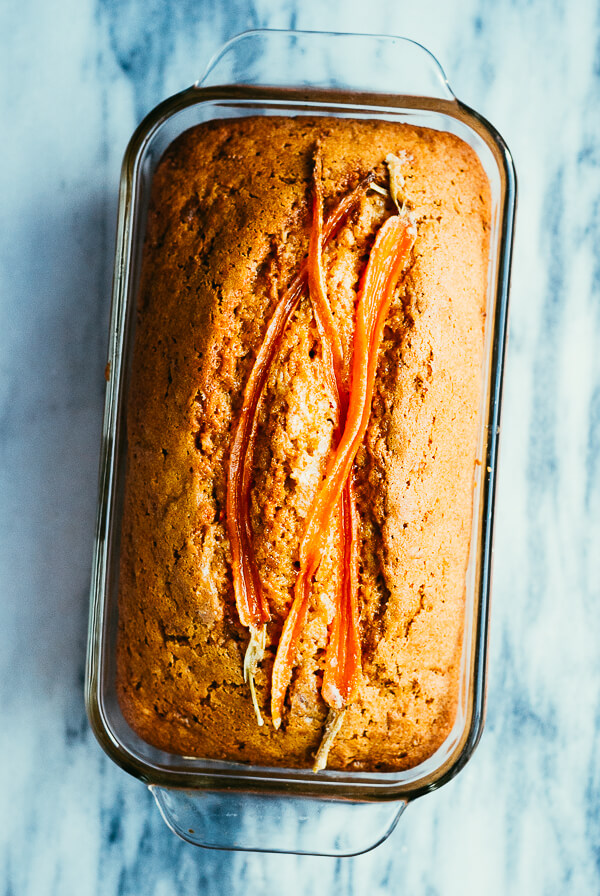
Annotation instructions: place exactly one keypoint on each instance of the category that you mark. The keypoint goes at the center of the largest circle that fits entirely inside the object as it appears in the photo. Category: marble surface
(524, 816)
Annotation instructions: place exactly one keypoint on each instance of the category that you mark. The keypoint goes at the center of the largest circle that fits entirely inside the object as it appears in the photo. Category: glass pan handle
(362, 63)
(271, 823)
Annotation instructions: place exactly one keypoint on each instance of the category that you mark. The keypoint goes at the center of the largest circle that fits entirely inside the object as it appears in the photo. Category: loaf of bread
(228, 229)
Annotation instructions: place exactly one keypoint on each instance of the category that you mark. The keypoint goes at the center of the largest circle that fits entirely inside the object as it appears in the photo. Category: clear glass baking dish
(224, 804)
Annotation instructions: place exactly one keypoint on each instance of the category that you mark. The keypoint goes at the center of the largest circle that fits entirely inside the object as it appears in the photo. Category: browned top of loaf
(228, 222)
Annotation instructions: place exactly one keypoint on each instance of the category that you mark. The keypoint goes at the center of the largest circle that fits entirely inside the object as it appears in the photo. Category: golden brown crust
(229, 221)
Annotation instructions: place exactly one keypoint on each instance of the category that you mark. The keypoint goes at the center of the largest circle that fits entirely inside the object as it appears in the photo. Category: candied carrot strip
(343, 655)
(388, 258)
(341, 677)
(331, 345)
(333, 368)
(343, 658)
(250, 600)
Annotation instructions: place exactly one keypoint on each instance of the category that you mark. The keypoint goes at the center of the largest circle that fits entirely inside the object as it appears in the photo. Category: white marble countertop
(524, 815)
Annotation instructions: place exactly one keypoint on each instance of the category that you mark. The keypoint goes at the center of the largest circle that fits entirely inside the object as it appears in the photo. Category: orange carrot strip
(332, 364)
(251, 604)
(330, 341)
(343, 655)
(343, 658)
(345, 624)
(388, 257)
(250, 600)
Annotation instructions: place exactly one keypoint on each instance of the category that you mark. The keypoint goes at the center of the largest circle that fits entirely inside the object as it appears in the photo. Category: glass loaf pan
(225, 804)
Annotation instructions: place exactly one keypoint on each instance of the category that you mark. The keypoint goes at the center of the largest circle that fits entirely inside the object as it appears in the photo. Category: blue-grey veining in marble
(524, 816)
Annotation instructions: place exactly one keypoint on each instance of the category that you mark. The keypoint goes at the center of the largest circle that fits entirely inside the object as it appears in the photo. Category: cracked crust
(229, 220)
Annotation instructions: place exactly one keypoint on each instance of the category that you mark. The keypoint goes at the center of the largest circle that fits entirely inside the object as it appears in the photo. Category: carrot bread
(302, 430)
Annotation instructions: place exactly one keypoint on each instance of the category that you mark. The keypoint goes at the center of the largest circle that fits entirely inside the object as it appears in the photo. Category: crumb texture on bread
(228, 225)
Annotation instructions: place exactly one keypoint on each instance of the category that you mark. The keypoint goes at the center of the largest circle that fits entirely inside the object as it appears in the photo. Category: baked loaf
(228, 227)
